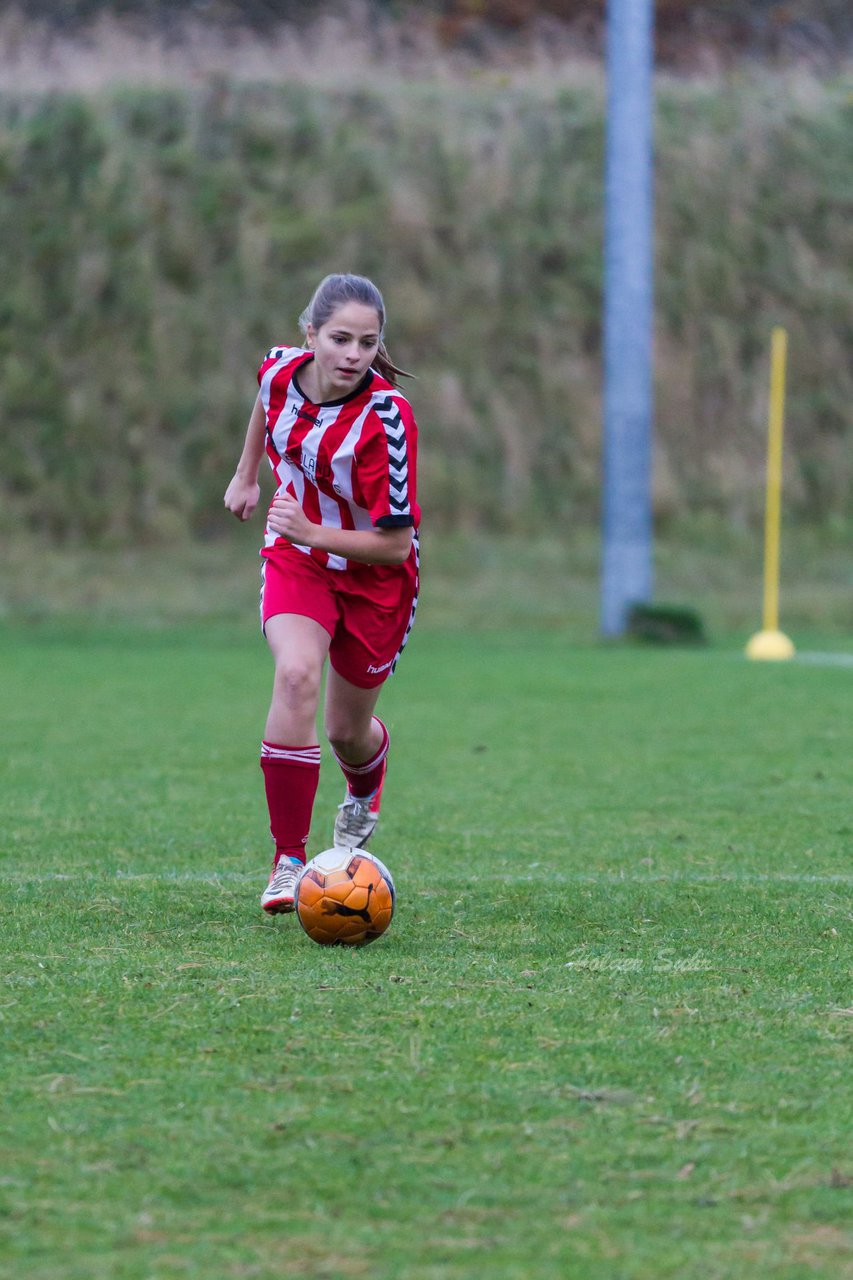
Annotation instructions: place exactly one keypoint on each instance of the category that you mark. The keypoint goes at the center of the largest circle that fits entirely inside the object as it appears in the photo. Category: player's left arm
(367, 546)
(243, 492)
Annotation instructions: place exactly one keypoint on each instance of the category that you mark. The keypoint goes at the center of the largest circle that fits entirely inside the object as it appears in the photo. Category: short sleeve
(386, 464)
(275, 355)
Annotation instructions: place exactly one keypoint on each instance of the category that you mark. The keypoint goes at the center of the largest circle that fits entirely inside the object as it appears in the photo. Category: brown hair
(336, 290)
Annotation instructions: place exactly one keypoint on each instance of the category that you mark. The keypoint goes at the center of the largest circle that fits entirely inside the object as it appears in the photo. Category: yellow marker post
(769, 643)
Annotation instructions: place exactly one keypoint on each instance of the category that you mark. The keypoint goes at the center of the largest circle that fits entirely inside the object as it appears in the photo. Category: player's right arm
(244, 492)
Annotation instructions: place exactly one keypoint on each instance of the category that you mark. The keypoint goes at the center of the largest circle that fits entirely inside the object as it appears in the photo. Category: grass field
(607, 1034)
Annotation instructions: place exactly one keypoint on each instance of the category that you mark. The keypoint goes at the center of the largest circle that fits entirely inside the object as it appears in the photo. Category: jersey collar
(356, 391)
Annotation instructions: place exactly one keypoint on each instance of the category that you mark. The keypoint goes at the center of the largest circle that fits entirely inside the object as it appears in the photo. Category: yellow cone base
(770, 646)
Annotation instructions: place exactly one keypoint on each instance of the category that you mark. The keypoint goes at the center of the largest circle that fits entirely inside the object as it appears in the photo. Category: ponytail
(385, 367)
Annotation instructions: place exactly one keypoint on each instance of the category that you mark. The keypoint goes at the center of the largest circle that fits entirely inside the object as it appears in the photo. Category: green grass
(604, 1036)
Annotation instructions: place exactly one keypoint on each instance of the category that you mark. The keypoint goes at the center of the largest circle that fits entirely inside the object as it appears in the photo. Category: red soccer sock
(364, 779)
(291, 775)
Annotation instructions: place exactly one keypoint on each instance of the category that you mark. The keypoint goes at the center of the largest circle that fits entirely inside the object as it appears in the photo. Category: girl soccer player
(340, 560)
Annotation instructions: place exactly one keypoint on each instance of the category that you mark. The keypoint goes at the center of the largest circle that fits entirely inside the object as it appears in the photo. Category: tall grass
(158, 240)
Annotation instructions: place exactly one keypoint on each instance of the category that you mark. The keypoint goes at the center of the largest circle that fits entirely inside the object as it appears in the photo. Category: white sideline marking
(555, 877)
(118, 877)
(685, 877)
(825, 659)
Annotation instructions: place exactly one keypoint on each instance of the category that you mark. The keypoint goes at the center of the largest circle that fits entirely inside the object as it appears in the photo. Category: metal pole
(628, 239)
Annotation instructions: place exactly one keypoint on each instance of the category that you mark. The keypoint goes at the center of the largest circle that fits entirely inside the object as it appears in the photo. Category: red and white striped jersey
(350, 463)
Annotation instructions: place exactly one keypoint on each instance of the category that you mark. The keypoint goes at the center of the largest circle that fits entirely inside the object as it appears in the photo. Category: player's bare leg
(290, 754)
(359, 741)
(299, 646)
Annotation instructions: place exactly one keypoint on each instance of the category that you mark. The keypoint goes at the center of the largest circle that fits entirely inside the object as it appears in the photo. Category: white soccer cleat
(357, 818)
(278, 897)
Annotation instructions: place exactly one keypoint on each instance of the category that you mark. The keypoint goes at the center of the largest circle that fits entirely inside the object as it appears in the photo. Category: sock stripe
(292, 755)
(357, 770)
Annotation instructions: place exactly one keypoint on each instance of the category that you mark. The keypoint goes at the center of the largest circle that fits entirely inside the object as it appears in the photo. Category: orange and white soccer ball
(345, 897)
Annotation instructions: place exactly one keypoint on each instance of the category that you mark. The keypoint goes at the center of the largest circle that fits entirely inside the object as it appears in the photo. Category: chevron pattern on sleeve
(280, 353)
(398, 462)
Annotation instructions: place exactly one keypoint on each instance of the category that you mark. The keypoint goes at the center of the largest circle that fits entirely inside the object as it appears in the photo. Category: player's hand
(287, 518)
(241, 497)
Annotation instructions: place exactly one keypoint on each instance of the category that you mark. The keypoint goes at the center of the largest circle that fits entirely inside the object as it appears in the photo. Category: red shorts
(367, 610)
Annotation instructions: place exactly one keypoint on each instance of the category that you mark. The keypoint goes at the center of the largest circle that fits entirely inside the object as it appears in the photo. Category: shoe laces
(357, 806)
(284, 876)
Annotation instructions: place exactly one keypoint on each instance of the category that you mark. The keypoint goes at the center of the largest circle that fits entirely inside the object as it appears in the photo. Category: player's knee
(297, 683)
(345, 737)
